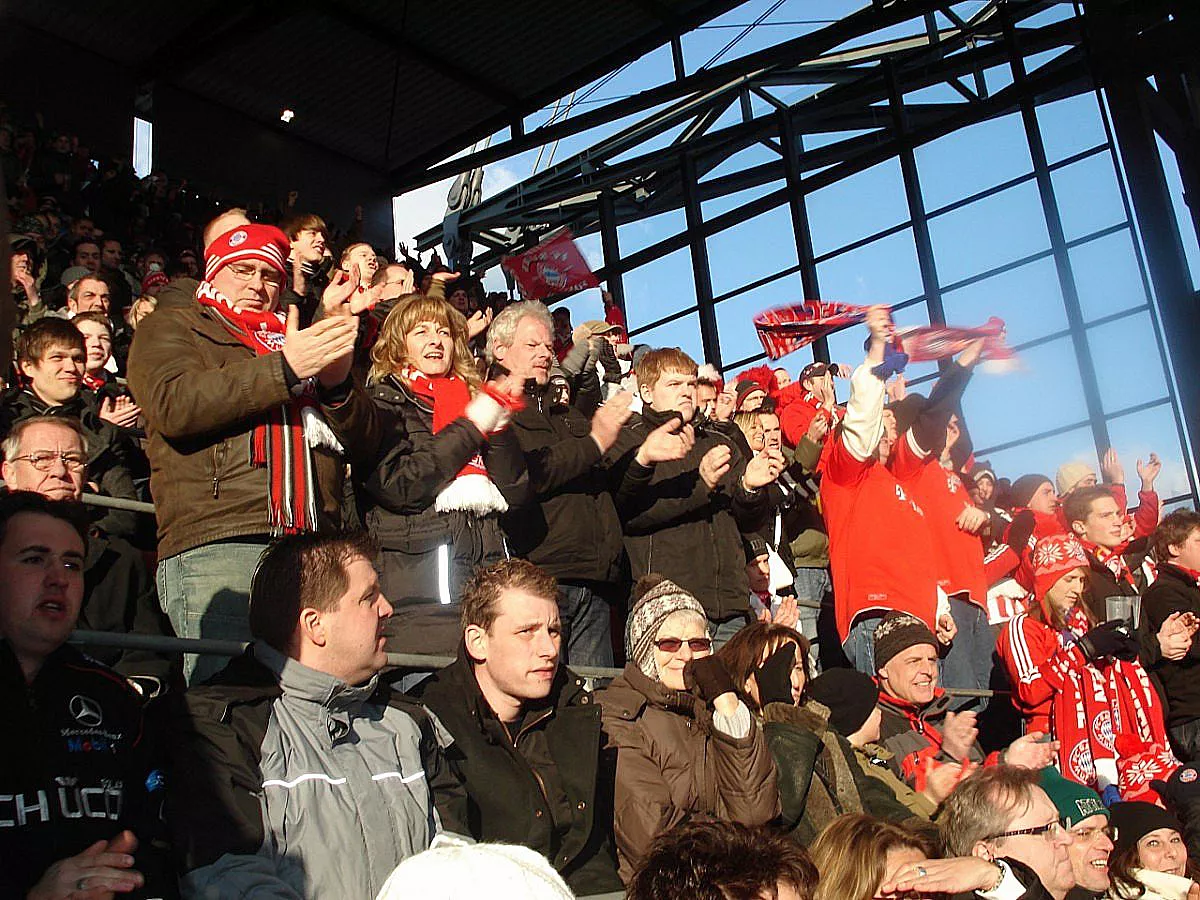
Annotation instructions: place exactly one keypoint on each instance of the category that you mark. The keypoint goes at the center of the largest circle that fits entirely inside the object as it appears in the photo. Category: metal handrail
(421, 662)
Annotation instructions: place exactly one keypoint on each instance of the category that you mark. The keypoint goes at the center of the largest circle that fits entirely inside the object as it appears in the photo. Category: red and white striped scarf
(1111, 560)
(1098, 703)
(278, 443)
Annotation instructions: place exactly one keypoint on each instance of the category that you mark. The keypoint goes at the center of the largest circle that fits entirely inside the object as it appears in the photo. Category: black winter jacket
(78, 766)
(507, 801)
(570, 526)
(676, 526)
(1103, 583)
(410, 467)
(1173, 591)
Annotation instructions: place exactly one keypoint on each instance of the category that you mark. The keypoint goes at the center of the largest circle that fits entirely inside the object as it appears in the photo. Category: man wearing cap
(811, 395)
(1085, 817)
(247, 416)
(917, 725)
(1072, 476)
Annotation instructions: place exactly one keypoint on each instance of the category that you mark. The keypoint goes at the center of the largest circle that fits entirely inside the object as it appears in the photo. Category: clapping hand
(959, 733)
(670, 441)
(120, 411)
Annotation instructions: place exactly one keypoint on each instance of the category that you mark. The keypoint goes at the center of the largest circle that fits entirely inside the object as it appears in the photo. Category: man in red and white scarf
(247, 416)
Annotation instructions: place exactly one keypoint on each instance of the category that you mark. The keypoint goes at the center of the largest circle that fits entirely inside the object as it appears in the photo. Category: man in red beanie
(247, 417)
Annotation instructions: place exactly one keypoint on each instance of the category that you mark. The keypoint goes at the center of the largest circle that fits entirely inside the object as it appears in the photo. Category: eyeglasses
(1089, 834)
(673, 645)
(42, 461)
(245, 273)
(1049, 831)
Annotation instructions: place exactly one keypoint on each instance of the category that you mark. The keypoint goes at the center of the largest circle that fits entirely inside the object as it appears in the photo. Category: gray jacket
(294, 784)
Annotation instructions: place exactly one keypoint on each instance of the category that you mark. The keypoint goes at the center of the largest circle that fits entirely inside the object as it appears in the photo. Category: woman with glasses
(687, 745)
(1078, 680)
(1150, 861)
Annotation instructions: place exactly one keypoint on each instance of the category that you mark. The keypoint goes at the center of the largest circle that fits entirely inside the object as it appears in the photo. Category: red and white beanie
(264, 243)
(1054, 557)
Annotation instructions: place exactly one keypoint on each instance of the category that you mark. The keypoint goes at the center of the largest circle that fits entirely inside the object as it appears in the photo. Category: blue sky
(1046, 391)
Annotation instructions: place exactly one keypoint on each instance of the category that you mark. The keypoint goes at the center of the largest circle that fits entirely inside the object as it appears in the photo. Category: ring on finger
(921, 871)
(81, 884)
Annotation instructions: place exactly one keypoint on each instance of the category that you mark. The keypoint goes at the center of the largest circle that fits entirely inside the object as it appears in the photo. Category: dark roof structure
(359, 73)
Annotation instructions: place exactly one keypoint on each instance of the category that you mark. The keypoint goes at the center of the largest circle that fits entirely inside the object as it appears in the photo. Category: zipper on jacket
(221, 449)
(536, 777)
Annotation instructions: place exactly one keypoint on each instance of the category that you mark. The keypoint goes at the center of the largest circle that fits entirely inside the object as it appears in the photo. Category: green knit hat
(1074, 801)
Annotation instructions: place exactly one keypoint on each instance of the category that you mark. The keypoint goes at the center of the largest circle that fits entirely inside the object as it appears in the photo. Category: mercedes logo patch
(86, 711)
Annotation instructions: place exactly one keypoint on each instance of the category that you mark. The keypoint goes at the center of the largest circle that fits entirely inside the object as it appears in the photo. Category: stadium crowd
(350, 455)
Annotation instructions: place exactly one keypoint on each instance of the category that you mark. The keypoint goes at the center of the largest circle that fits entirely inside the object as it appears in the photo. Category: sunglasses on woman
(672, 645)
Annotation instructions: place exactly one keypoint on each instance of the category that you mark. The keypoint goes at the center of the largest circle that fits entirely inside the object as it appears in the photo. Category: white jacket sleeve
(862, 426)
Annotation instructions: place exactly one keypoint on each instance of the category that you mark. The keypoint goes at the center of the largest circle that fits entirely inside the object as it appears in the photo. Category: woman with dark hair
(686, 742)
(1150, 859)
(1076, 679)
(819, 778)
(445, 469)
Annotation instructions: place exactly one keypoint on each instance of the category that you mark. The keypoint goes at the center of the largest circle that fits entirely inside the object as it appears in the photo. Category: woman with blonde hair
(855, 854)
(444, 470)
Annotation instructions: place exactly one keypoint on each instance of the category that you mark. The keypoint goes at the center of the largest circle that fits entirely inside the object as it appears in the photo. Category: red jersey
(1035, 658)
(797, 408)
(881, 554)
(959, 554)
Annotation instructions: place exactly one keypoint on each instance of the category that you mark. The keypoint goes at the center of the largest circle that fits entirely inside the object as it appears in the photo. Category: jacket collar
(299, 682)
(1178, 573)
(935, 707)
(632, 691)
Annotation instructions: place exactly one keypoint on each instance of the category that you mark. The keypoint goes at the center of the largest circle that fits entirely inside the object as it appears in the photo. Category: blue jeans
(205, 592)
(859, 645)
(811, 586)
(968, 663)
(587, 625)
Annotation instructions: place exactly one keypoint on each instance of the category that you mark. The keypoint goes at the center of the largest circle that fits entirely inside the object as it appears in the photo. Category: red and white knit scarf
(277, 444)
(472, 489)
(1113, 560)
(1097, 704)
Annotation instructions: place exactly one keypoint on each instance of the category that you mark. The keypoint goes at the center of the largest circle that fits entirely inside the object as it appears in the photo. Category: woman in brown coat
(686, 746)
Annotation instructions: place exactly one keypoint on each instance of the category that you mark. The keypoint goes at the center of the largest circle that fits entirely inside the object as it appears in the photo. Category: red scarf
(1097, 704)
(1111, 560)
(472, 489)
(277, 444)
(93, 382)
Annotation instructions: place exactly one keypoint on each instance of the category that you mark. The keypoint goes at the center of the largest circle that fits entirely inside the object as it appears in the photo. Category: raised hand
(1111, 468)
(1175, 635)
(762, 469)
(120, 411)
(325, 348)
(338, 297)
(942, 778)
(972, 519)
(1149, 471)
(715, 465)
(818, 428)
(444, 277)
(726, 404)
(946, 629)
(957, 875)
(609, 419)
(479, 322)
(669, 441)
(959, 733)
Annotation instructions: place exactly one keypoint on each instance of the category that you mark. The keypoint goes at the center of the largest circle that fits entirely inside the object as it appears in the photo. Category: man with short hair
(248, 417)
(47, 455)
(688, 493)
(90, 293)
(301, 774)
(121, 285)
(570, 528)
(711, 860)
(917, 726)
(527, 730)
(1085, 816)
(1001, 814)
(1114, 564)
(79, 783)
(1176, 593)
(87, 255)
(51, 356)
(812, 394)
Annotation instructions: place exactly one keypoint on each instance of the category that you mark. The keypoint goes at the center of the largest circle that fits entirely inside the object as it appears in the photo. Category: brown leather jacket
(202, 392)
(672, 764)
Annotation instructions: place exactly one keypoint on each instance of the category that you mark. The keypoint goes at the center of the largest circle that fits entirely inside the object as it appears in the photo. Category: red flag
(787, 328)
(934, 342)
(552, 268)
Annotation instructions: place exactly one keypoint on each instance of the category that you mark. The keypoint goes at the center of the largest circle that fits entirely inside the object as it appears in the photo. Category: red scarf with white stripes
(1111, 560)
(448, 395)
(276, 444)
(1099, 703)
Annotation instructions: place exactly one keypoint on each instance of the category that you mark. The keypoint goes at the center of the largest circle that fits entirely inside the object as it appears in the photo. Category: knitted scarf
(1098, 703)
(472, 489)
(277, 443)
(1111, 560)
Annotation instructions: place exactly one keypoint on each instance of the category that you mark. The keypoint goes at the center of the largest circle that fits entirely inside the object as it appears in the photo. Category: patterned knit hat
(265, 243)
(647, 616)
(1054, 557)
(896, 633)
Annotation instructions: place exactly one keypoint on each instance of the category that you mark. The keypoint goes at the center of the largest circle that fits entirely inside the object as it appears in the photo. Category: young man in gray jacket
(300, 774)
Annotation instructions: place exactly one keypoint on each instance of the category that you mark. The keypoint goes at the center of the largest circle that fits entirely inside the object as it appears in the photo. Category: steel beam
(700, 270)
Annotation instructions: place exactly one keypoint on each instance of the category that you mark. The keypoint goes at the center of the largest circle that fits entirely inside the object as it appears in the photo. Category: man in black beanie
(917, 725)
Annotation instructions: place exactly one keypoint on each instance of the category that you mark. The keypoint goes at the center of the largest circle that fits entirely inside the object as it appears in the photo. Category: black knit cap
(1024, 488)
(897, 632)
(850, 696)
(1134, 820)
